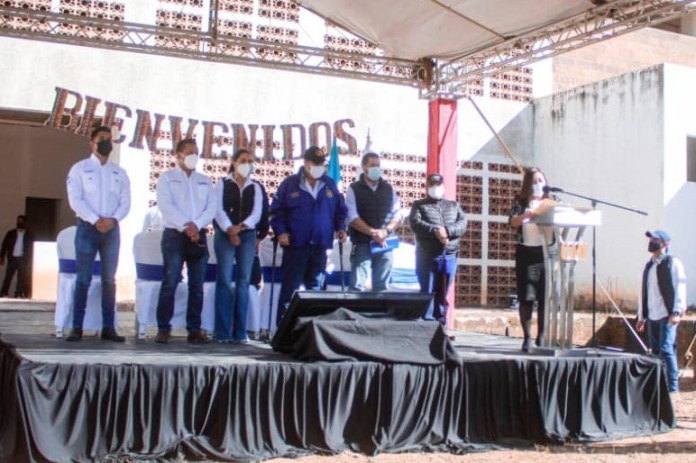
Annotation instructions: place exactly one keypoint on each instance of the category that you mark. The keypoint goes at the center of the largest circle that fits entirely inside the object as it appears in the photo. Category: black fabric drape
(86, 412)
(346, 335)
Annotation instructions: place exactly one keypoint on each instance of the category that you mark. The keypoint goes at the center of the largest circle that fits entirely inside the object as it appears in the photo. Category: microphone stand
(594, 202)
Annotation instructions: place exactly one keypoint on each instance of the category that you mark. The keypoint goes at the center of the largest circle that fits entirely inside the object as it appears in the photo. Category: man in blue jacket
(306, 211)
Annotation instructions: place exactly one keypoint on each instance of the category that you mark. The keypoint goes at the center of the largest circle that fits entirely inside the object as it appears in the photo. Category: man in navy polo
(305, 213)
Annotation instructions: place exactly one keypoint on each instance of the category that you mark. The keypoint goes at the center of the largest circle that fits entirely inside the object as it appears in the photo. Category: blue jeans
(663, 339)
(231, 307)
(362, 261)
(89, 241)
(435, 275)
(306, 265)
(177, 248)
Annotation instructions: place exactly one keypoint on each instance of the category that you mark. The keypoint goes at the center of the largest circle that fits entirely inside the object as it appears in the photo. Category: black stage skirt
(529, 270)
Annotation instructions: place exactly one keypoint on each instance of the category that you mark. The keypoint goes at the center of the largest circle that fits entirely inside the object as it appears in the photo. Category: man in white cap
(663, 302)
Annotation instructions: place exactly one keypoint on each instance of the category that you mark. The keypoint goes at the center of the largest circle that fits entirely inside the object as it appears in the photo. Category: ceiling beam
(205, 46)
(611, 19)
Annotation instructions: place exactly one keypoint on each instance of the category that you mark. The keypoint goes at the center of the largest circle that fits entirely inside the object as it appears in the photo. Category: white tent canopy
(443, 29)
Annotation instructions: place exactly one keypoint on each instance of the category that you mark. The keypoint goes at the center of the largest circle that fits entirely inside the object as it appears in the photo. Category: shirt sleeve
(255, 215)
(418, 225)
(221, 217)
(124, 198)
(351, 205)
(208, 213)
(76, 196)
(165, 202)
(396, 212)
(679, 282)
(458, 228)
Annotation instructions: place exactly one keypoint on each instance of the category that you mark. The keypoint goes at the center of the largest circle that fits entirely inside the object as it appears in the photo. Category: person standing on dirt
(663, 299)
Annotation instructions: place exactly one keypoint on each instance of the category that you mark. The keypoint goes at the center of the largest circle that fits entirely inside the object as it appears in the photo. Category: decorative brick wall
(35, 5)
(621, 55)
(111, 10)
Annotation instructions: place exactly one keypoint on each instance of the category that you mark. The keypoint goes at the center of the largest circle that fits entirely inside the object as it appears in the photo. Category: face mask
(373, 173)
(654, 246)
(190, 161)
(317, 171)
(538, 189)
(436, 191)
(245, 170)
(20, 225)
(104, 147)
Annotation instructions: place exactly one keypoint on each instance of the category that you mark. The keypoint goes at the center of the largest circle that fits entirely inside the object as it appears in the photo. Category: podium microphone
(553, 189)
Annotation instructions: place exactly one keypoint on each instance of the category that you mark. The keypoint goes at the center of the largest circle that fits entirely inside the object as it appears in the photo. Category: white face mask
(190, 161)
(538, 189)
(317, 171)
(245, 169)
(373, 173)
(436, 191)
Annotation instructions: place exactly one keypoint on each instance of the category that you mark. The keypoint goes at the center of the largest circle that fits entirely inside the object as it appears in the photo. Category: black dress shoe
(110, 334)
(75, 335)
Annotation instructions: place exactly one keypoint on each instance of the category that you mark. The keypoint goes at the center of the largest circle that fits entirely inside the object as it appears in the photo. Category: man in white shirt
(17, 247)
(187, 203)
(373, 214)
(663, 302)
(99, 193)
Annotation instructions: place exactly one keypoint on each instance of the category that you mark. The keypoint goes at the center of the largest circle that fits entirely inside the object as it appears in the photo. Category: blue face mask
(374, 173)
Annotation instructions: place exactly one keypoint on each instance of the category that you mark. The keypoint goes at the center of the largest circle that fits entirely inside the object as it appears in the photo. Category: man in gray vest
(373, 214)
(663, 302)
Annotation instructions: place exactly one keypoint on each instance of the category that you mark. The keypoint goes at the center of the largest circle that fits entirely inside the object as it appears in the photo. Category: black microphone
(553, 189)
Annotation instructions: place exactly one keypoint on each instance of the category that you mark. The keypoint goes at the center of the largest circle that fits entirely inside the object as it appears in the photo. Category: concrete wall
(606, 140)
(35, 161)
(679, 194)
(623, 140)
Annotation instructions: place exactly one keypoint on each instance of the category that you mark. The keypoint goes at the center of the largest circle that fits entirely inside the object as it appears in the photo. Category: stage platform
(94, 400)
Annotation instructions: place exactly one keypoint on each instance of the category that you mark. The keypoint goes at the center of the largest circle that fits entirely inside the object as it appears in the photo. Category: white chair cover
(403, 276)
(149, 269)
(65, 244)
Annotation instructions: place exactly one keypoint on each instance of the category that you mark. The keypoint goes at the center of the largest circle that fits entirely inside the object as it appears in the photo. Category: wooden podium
(563, 228)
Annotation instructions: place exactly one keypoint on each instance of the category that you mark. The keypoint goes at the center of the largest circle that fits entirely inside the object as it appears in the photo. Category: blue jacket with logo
(308, 220)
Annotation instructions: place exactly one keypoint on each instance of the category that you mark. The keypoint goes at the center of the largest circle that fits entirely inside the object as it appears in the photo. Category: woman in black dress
(529, 255)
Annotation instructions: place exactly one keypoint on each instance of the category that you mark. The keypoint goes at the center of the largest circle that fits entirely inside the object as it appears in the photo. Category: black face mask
(104, 147)
(654, 246)
(20, 225)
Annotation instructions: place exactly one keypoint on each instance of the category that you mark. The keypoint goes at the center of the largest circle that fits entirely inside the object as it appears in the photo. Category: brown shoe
(198, 338)
(162, 337)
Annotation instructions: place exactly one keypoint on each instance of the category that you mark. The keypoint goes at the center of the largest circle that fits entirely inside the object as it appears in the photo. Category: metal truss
(205, 46)
(434, 79)
(611, 19)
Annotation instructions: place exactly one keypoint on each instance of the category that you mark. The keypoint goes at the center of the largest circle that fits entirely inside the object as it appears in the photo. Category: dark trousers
(20, 266)
(306, 265)
(435, 276)
(88, 242)
(177, 248)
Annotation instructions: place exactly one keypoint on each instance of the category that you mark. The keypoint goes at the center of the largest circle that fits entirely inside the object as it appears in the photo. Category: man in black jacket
(437, 224)
(17, 250)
